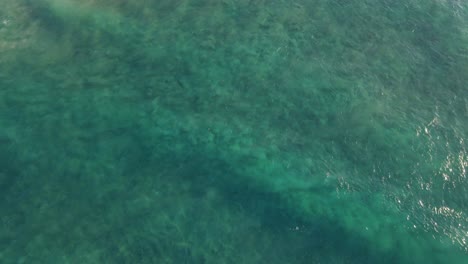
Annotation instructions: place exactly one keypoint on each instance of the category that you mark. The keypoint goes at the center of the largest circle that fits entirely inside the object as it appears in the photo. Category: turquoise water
(233, 131)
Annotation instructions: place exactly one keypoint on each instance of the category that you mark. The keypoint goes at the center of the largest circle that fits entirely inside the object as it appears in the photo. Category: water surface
(234, 131)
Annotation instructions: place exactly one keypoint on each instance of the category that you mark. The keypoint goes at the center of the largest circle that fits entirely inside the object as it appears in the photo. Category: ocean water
(233, 131)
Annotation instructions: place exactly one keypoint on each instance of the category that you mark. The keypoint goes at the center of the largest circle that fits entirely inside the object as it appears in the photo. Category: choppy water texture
(233, 131)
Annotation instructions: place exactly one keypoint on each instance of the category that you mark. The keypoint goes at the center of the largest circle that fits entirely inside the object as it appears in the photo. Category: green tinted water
(233, 131)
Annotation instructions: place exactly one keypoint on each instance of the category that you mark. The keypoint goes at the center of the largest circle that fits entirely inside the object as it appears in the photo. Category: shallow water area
(234, 131)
